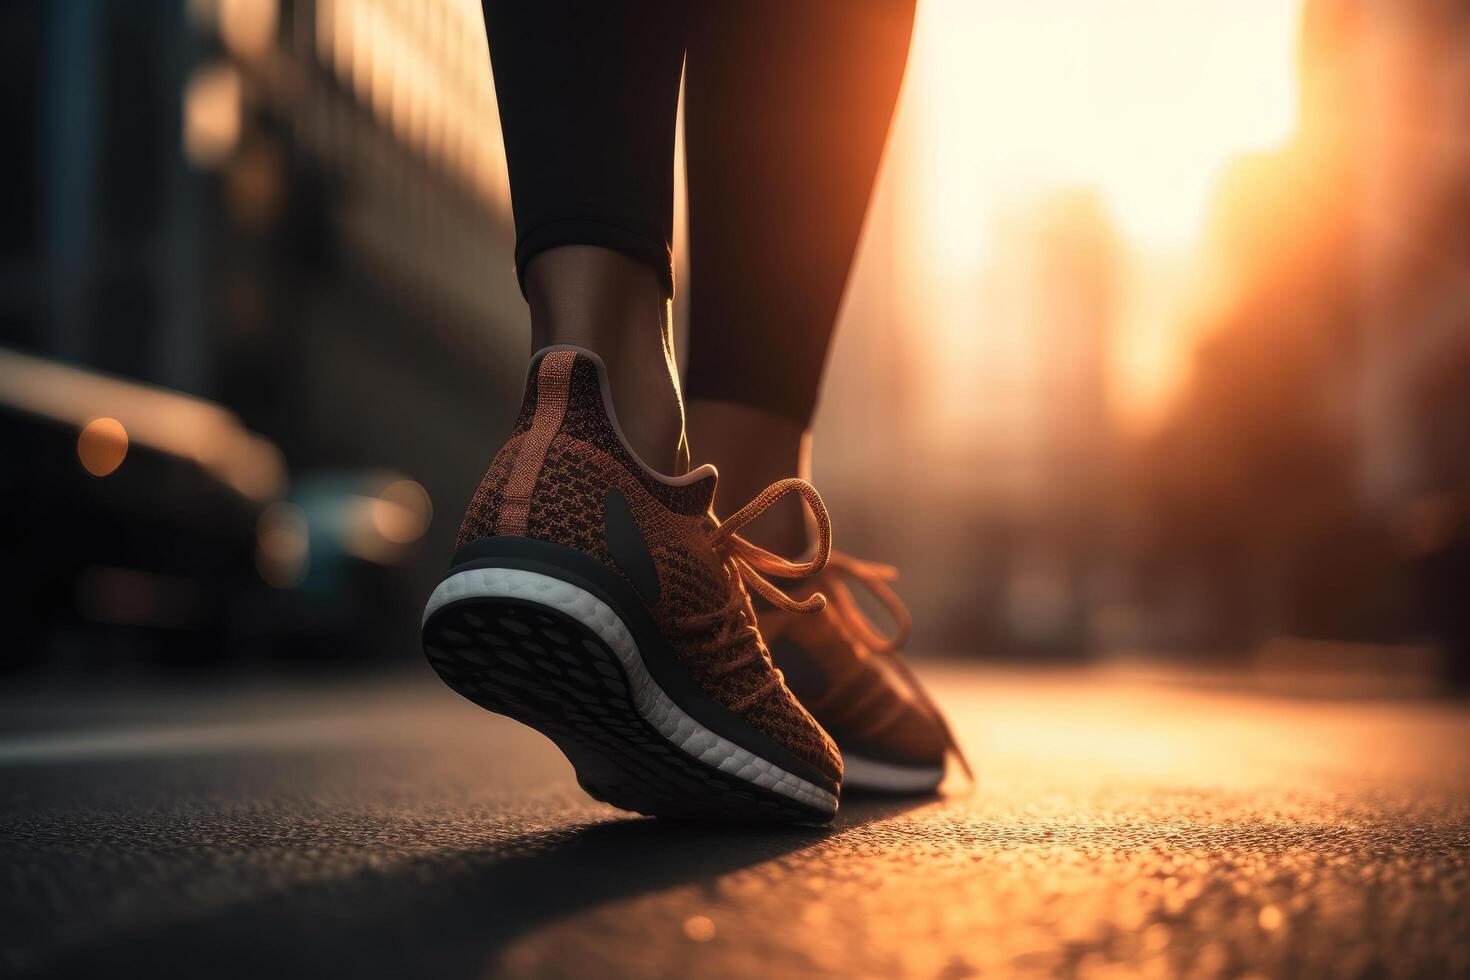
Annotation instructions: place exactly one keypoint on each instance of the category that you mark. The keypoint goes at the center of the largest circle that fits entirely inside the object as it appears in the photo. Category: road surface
(391, 829)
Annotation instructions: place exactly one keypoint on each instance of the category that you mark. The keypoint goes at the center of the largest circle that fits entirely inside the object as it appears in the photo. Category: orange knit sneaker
(604, 605)
(893, 737)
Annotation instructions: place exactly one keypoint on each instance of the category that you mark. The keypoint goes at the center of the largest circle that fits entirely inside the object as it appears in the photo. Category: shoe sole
(871, 776)
(550, 654)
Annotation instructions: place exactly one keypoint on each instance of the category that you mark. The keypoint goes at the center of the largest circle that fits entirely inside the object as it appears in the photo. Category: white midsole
(860, 773)
(650, 701)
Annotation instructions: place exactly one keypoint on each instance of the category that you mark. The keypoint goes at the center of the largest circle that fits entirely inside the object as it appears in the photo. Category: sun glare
(1143, 100)
(1133, 108)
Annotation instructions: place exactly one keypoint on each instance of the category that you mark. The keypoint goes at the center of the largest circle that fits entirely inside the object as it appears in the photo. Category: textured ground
(396, 830)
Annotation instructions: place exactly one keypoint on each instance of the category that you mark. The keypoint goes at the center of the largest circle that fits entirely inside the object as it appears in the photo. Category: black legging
(787, 107)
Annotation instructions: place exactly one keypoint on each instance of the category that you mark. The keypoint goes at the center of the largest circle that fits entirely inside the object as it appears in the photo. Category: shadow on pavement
(452, 913)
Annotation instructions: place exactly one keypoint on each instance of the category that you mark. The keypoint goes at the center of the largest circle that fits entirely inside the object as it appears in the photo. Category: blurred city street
(1174, 826)
(1152, 376)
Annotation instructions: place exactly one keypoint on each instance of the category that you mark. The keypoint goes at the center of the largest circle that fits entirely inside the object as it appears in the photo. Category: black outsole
(541, 667)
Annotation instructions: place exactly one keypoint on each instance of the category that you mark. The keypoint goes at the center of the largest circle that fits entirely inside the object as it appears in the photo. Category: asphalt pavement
(1118, 826)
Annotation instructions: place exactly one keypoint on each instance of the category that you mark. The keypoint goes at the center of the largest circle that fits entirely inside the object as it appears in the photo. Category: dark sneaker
(603, 604)
(893, 737)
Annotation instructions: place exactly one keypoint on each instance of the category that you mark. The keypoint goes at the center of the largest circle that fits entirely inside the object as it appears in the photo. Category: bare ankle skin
(615, 306)
(752, 449)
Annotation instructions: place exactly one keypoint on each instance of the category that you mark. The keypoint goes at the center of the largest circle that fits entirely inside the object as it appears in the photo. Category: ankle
(650, 413)
(752, 449)
(615, 306)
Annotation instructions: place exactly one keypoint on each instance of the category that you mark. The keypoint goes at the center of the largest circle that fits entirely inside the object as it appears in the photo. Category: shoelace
(875, 578)
(747, 564)
(851, 618)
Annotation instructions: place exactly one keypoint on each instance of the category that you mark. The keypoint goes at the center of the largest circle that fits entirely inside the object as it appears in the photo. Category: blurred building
(1047, 462)
(1314, 480)
(293, 209)
(995, 447)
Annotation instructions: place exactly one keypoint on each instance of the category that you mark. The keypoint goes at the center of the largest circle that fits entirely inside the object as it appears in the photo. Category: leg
(589, 597)
(588, 93)
(788, 110)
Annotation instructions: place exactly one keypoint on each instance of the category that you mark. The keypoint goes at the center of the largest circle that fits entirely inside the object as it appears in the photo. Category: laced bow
(754, 563)
(875, 577)
(749, 564)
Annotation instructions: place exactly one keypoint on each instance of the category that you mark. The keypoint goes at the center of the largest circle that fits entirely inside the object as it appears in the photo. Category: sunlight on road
(1157, 830)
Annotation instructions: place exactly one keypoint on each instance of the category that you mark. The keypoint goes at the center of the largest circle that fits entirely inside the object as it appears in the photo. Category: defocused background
(1158, 341)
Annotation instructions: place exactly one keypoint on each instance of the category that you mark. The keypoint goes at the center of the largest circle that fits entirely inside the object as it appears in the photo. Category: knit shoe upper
(850, 677)
(566, 476)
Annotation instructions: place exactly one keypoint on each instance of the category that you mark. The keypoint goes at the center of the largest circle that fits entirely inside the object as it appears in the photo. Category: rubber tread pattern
(554, 657)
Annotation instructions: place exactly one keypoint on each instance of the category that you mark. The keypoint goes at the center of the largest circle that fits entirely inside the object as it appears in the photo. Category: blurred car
(147, 526)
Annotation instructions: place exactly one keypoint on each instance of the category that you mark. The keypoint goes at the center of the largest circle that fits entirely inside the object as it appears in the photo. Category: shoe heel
(541, 667)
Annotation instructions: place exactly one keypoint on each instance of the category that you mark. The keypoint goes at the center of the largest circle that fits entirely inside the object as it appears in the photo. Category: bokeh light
(212, 114)
(406, 514)
(283, 545)
(102, 446)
